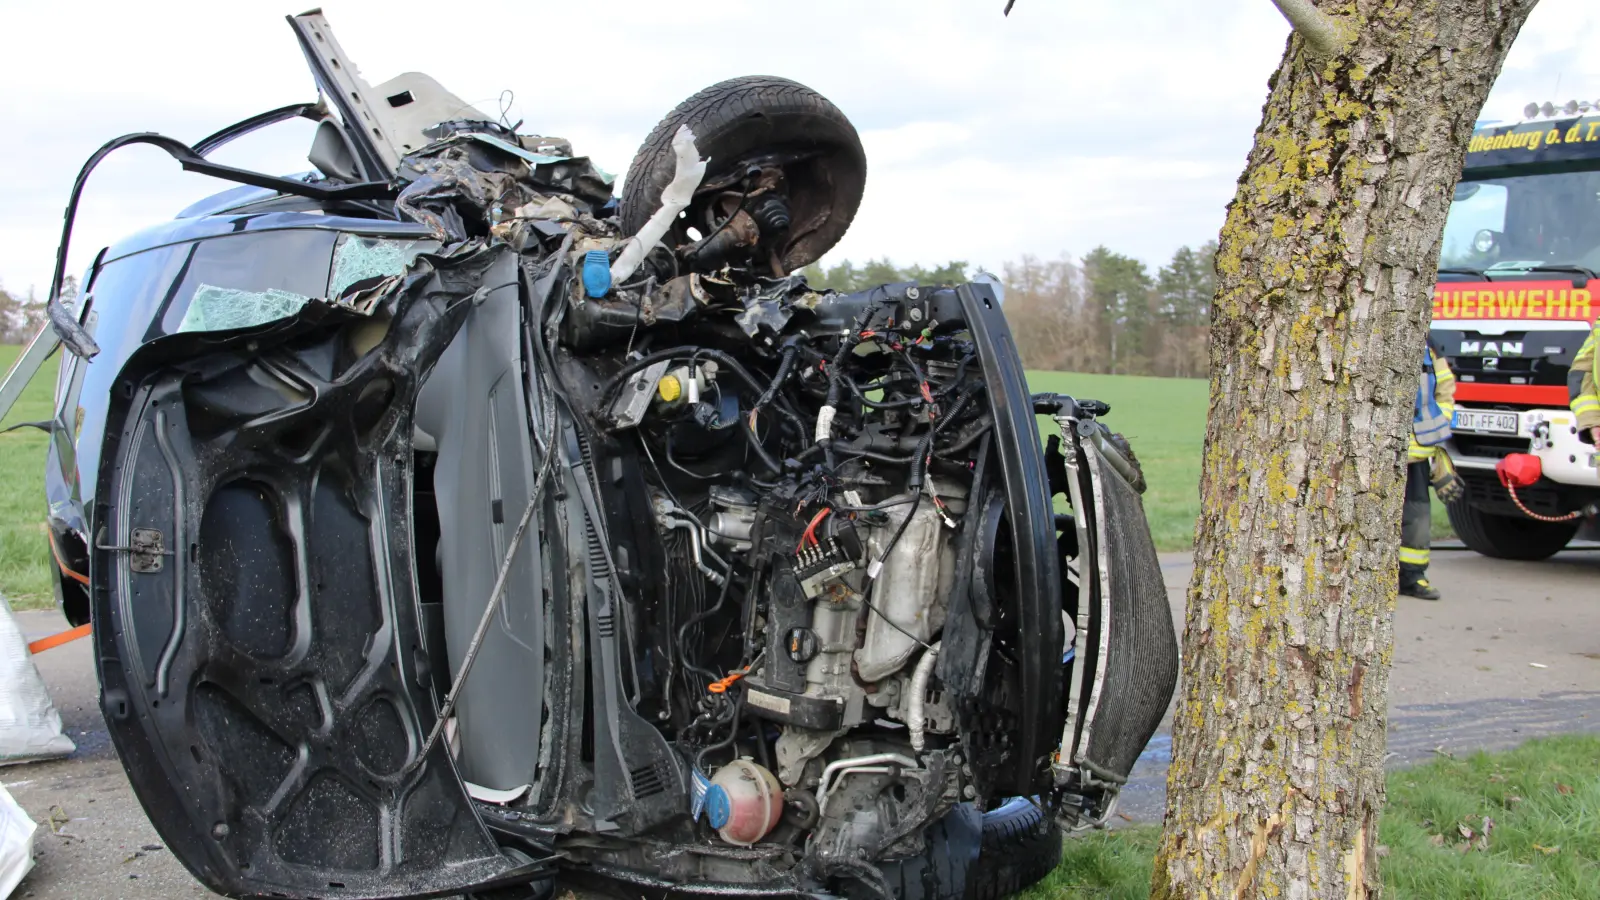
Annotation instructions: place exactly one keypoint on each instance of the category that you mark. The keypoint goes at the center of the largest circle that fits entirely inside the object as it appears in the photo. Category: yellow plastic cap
(668, 388)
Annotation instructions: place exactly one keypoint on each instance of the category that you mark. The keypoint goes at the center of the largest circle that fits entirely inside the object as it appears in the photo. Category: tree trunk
(1324, 273)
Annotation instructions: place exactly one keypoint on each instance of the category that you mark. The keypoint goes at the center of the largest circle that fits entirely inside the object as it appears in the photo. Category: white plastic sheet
(30, 727)
(16, 843)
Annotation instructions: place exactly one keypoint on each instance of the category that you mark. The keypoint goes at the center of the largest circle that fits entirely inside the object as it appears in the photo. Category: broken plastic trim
(76, 339)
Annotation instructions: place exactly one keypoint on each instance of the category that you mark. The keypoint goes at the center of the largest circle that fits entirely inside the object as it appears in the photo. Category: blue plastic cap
(596, 273)
(718, 807)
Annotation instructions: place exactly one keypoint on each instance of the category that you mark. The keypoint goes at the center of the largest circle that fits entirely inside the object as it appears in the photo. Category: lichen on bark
(1324, 270)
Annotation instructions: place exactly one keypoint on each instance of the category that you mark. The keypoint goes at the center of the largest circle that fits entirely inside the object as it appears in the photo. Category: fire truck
(1517, 294)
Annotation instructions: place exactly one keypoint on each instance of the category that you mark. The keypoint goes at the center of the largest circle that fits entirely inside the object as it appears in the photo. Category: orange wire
(811, 530)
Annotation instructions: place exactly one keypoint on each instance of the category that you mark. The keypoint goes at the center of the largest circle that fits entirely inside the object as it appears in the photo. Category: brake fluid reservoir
(744, 802)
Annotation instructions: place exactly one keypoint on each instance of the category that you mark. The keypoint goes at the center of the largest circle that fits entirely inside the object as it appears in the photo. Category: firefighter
(1427, 463)
(1581, 380)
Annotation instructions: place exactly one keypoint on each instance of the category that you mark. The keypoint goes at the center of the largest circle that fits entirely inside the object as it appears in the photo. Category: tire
(1508, 537)
(945, 871)
(1007, 850)
(734, 118)
(1021, 845)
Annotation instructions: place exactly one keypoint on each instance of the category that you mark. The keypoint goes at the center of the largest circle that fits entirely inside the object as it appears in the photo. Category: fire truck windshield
(1516, 223)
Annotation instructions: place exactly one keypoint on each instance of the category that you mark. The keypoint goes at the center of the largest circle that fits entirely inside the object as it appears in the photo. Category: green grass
(24, 554)
(1165, 421)
(1542, 800)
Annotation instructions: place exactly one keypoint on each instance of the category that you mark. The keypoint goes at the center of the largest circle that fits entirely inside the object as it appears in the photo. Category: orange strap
(50, 538)
(56, 640)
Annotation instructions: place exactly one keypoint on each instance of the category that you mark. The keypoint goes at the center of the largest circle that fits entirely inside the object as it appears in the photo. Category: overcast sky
(1070, 124)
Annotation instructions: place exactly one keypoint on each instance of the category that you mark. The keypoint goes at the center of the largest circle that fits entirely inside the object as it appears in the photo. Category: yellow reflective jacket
(1444, 393)
(1585, 397)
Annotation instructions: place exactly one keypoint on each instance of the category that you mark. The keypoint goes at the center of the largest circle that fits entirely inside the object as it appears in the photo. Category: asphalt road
(1512, 652)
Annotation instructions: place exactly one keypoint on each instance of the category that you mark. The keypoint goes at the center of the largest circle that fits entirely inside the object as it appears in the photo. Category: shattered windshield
(1515, 223)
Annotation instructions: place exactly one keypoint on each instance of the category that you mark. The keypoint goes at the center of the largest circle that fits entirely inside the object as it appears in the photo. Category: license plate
(1485, 422)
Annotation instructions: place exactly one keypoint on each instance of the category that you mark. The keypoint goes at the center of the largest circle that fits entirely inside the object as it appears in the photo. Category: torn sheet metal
(467, 184)
(453, 198)
(225, 309)
(772, 304)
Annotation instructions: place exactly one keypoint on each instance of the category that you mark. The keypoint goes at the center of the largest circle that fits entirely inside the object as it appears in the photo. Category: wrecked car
(448, 524)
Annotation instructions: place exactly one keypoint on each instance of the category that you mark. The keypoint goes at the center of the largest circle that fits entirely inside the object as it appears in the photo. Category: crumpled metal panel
(1139, 646)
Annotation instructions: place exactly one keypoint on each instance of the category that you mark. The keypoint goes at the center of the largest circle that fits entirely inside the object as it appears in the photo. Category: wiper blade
(1585, 271)
(1461, 270)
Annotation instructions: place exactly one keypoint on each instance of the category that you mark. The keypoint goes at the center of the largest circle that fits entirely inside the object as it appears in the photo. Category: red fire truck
(1518, 292)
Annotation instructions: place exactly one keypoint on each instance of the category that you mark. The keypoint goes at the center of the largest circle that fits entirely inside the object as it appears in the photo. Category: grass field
(1165, 421)
(24, 555)
(1522, 824)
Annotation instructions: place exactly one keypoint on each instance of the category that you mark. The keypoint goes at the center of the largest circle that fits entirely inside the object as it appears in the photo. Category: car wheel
(973, 857)
(1021, 845)
(1508, 537)
(732, 120)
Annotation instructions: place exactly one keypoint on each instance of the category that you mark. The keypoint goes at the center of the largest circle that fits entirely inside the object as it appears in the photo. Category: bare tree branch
(1323, 34)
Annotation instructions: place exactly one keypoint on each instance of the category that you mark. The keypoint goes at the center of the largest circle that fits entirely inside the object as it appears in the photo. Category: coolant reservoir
(744, 802)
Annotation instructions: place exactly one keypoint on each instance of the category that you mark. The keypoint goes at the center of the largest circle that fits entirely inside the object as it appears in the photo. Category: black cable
(861, 395)
(679, 466)
(892, 624)
(919, 462)
(847, 344)
(895, 539)
(786, 360)
(694, 620)
(733, 736)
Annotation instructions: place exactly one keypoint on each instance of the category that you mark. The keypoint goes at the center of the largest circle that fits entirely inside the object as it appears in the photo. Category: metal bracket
(147, 548)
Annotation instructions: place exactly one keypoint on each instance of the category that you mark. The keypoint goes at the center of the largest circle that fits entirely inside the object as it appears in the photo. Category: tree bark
(1325, 267)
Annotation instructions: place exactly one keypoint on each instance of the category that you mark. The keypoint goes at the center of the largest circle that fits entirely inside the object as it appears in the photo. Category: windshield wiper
(1461, 270)
(1571, 268)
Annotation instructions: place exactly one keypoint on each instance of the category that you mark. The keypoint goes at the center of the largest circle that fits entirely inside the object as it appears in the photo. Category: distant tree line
(1104, 313)
(21, 316)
